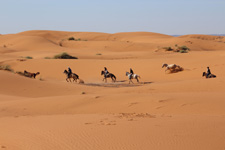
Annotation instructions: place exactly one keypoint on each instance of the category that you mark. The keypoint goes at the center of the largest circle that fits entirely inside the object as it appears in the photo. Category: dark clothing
(106, 72)
(208, 72)
(69, 72)
(131, 71)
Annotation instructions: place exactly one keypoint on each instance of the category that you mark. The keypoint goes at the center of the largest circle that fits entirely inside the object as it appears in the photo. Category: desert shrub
(167, 48)
(183, 48)
(6, 67)
(183, 51)
(47, 57)
(71, 38)
(64, 56)
(29, 57)
(99, 54)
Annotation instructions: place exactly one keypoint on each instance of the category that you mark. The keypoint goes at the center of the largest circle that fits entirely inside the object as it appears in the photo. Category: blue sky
(111, 16)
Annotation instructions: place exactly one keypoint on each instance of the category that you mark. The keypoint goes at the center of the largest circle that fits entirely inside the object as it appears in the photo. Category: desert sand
(165, 111)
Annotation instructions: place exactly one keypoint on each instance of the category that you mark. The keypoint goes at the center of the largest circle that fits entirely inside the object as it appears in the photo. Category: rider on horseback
(208, 72)
(69, 72)
(106, 72)
(131, 73)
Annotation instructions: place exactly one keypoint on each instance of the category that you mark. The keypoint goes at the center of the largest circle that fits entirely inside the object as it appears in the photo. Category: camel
(109, 75)
(172, 68)
(31, 75)
(209, 76)
(132, 76)
(72, 75)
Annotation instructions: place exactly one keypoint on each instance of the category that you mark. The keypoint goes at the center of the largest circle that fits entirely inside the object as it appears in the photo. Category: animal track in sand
(134, 103)
(107, 122)
(163, 100)
(133, 116)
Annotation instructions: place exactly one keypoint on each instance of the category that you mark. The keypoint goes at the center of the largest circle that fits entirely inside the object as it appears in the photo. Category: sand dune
(165, 110)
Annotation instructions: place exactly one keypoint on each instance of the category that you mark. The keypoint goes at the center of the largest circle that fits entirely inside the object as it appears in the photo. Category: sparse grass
(183, 51)
(29, 57)
(167, 48)
(47, 58)
(64, 56)
(183, 48)
(7, 68)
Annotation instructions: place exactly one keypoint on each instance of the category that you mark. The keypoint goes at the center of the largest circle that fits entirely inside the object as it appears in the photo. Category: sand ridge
(165, 110)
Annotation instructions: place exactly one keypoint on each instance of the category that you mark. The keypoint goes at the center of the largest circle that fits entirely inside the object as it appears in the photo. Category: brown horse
(209, 76)
(72, 75)
(109, 75)
(31, 75)
(172, 68)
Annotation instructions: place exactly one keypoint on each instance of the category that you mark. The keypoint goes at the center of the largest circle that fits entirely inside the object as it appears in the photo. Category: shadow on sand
(117, 84)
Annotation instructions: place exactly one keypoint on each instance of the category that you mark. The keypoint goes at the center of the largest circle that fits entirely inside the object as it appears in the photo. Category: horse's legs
(131, 81)
(67, 79)
(137, 80)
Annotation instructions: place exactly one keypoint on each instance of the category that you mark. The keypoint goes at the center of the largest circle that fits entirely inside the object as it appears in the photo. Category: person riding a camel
(208, 72)
(69, 72)
(106, 71)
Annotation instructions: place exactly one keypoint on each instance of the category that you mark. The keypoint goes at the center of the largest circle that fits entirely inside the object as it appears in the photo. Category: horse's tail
(76, 76)
(114, 76)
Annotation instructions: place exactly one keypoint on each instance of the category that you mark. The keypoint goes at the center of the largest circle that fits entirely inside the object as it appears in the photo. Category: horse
(132, 76)
(31, 75)
(209, 76)
(72, 75)
(172, 67)
(109, 75)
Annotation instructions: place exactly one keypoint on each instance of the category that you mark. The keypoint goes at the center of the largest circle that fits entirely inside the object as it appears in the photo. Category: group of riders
(105, 70)
(131, 72)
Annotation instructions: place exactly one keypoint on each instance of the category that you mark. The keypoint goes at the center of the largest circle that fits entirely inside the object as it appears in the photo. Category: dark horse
(209, 76)
(72, 75)
(31, 75)
(109, 75)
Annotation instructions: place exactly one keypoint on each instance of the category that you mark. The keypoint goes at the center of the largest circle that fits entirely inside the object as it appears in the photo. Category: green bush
(71, 38)
(183, 48)
(64, 56)
(29, 57)
(183, 51)
(47, 58)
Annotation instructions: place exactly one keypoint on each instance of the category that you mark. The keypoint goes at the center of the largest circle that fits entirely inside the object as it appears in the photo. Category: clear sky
(111, 16)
